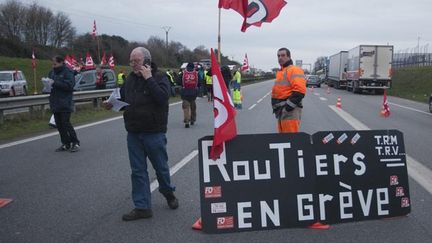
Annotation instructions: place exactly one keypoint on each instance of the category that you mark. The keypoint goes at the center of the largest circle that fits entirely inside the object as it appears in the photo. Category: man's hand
(107, 105)
(146, 71)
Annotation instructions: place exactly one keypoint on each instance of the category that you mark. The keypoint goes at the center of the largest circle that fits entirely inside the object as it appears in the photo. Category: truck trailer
(369, 67)
(337, 70)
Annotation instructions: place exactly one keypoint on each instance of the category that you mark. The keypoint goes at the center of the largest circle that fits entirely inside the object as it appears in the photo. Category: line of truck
(365, 67)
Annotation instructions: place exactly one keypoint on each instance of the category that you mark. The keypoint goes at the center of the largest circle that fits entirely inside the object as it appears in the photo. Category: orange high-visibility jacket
(289, 79)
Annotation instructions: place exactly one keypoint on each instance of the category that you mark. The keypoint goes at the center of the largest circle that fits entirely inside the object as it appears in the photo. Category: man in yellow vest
(237, 96)
(209, 84)
(288, 92)
(120, 79)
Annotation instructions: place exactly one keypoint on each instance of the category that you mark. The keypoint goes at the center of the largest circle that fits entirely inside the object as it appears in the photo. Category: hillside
(412, 83)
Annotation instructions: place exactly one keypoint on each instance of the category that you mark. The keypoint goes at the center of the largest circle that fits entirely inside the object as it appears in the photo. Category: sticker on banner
(342, 138)
(213, 192)
(218, 207)
(328, 138)
(355, 138)
(225, 222)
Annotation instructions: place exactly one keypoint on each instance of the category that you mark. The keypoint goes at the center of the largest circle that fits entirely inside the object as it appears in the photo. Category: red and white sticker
(328, 138)
(405, 202)
(342, 138)
(394, 180)
(225, 222)
(218, 207)
(355, 138)
(212, 192)
(400, 191)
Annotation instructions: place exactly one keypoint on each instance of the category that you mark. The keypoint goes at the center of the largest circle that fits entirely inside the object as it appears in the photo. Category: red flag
(223, 109)
(111, 62)
(104, 61)
(94, 29)
(245, 65)
(33, 60)
(89, 61)
(385, 112)
(68, 62)
(254, 12)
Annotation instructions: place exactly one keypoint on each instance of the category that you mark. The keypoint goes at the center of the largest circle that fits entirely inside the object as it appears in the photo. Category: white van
(12, 83)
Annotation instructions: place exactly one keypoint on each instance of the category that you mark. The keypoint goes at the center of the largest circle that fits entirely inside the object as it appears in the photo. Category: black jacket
(62, 89)
(148, 102)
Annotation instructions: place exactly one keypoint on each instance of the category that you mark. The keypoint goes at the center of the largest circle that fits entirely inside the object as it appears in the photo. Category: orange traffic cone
(339, 103)
(197, 225)
(318, 225)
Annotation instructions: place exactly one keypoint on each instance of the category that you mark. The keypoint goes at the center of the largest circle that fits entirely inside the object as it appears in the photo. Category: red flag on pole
(111, 62)
(104, 61)
(94, 29)
(385, 111)
(33, 60)
(245, 65)
(89, 61)
(223, 109)
(68, 62)
(254, 12)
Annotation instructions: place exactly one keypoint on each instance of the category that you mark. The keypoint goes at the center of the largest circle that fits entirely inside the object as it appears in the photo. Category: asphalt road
(80, 197)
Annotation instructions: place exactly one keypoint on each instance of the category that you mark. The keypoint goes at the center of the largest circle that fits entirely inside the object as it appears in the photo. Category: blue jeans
(140, 147)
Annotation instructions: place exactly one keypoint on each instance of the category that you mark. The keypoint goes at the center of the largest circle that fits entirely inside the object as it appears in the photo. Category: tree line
(34, 27)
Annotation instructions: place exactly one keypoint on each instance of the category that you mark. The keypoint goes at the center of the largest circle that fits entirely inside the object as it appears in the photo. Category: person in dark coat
(61, 103)
(147, 91)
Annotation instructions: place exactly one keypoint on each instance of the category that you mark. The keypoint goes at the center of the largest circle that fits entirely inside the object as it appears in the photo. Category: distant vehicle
(313, 80)
(369, 67)
(86, 80)
(337, 70)
(13, 83)
(430, 103)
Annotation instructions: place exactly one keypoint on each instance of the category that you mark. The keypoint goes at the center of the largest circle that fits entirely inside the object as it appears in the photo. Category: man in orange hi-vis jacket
(287, 93)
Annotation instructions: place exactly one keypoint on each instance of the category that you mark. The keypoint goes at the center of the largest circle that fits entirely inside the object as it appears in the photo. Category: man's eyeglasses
(133, 62)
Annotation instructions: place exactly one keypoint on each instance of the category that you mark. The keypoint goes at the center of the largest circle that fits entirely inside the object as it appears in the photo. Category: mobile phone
(147, 62)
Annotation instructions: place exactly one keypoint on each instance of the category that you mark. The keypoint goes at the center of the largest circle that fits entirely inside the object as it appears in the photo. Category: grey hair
(144, 51)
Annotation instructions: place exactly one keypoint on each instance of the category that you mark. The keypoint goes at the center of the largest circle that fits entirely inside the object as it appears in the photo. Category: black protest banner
(269, 181)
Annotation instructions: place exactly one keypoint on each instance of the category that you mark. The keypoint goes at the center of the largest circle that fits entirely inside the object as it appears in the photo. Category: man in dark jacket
(146, 117)
(61, 104)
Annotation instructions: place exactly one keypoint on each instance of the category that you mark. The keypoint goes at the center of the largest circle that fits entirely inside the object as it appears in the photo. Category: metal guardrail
(42, 100)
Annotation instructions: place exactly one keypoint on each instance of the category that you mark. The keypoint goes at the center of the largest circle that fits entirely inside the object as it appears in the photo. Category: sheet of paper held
(113, 100)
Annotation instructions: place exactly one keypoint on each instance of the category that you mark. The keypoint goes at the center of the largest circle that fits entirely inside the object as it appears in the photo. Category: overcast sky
(309, 28)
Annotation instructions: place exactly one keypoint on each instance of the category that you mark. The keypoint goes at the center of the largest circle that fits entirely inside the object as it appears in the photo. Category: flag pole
(34, 78)
(98, 49)
(219, 38)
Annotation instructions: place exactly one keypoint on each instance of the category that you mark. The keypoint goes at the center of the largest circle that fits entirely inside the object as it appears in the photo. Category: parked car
(86, 80)
(430, 103)
(13, 83)
(313, 80)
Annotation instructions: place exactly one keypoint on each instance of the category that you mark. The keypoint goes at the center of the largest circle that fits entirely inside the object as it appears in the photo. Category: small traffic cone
(319, 225)
(197, 225)
(339, 103)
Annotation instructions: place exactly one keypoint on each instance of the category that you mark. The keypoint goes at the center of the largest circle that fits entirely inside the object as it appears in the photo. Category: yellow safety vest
(120, 80)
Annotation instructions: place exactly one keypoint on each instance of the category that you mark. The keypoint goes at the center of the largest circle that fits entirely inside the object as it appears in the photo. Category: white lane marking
(323, 98)
(420, 173)
(176, 168)
(6, 145)
(252, 106)
(409, 108)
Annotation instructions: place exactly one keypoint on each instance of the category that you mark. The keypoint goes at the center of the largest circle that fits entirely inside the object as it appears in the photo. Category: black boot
(137, 214)
(171, 200)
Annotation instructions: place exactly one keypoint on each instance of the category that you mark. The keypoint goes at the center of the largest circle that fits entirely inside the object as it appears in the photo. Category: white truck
(369, 67)
(337, 70)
